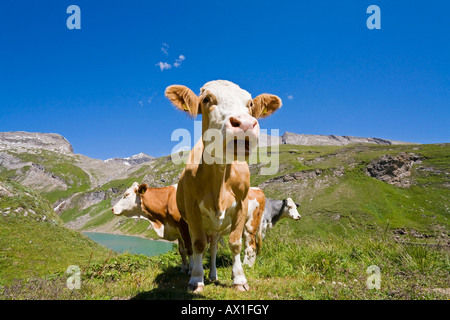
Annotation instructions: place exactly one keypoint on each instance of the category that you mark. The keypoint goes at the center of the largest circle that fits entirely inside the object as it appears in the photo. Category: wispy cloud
(148, 101)
(177, 62)
(165, 49)
(290, 97)
(165, 65)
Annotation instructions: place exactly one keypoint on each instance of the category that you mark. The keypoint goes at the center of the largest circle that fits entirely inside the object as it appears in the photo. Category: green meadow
(350, 221)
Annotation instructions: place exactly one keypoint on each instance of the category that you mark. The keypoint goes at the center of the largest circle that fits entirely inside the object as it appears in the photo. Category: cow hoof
(196, 288)
(241, 287)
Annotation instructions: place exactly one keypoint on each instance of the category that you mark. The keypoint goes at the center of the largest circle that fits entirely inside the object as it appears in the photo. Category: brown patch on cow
(161, 207)
(255, 232)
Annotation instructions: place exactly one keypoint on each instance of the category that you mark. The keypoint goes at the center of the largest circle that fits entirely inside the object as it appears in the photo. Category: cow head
(130, 204)
(229, 115)
(290, 209)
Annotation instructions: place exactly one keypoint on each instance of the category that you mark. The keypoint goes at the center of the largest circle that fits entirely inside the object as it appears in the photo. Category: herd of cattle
(213, 199)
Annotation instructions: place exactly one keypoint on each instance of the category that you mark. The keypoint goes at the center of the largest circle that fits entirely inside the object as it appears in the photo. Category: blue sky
(101, 87)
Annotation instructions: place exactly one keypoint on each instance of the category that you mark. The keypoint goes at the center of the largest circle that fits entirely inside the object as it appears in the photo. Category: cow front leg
(198, 240)
(213, 253)
(235, 242)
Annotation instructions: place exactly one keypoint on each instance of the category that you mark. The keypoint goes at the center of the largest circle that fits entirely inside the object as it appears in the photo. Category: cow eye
(250, 104)
(206, 100)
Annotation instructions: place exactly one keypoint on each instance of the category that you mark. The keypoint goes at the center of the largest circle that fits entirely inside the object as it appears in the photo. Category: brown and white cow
(157, 205)
(212, 196)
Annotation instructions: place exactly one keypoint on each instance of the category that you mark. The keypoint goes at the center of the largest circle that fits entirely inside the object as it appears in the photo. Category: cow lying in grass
(158, 205)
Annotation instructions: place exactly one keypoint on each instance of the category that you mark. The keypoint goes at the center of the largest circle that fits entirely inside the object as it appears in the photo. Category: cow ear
(265, 104)
(184, 99)
(142, 188)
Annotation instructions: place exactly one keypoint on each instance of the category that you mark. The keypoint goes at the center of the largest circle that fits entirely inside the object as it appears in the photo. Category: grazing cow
(276, 210)
(212, 194)
(158, 205)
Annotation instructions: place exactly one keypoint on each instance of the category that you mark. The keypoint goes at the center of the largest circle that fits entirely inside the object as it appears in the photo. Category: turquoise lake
(122, 243)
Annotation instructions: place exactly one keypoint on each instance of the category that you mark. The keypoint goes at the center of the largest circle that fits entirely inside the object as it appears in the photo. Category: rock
(330, 140)
(34, 140)
(319, 140)
(393, 170)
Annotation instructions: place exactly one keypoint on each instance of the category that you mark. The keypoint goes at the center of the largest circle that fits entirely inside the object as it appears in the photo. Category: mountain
(321, 140)
(334, 183)
(133, 160)
(358, 202)
(21, 141)
(331, 140)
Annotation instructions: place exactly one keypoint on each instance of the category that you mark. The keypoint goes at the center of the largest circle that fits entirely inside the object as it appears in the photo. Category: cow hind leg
(249, 248)
(185, 241)
(235, 242)
(184, 262)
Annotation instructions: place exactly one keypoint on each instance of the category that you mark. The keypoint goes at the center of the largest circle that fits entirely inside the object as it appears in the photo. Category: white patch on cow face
(130, 204)
(226, 107)
(292, 209)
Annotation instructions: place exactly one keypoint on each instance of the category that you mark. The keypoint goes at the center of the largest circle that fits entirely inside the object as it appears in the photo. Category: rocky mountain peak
(21, 141)
(133, 160)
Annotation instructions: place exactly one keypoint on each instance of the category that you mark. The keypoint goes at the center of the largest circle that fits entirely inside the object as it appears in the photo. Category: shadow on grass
(173, 285)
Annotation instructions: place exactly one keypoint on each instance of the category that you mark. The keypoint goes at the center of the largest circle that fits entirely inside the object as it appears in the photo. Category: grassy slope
(347, 225)
(37, 244)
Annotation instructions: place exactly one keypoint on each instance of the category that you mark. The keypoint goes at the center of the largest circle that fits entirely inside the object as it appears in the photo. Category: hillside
(33, 240)
(361, 204)
(331, 182)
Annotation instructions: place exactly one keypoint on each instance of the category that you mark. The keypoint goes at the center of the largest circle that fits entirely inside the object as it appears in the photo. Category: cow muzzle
(242, 133)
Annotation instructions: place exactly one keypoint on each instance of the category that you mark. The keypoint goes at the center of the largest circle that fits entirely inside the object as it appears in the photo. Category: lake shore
(118, 233)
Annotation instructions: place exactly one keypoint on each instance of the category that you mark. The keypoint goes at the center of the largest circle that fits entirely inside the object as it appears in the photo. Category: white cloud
(177, 62)
(290, 97)
(141, 103)
(164, 65)
(165, 49)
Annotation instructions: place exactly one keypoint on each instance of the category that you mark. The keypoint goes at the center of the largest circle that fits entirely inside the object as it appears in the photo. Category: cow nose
(241, 122)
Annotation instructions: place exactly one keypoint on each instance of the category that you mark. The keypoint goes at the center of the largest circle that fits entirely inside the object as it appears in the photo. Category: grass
(289, 267)
(349, 222)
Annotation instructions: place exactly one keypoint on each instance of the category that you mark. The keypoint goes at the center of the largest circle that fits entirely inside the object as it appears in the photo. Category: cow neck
(219, 178)
(279, 214)
(152, 211)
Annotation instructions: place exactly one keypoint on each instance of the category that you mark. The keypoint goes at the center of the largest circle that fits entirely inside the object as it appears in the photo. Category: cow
(276, 210)
(212, 193)
(158, 205)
